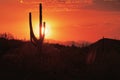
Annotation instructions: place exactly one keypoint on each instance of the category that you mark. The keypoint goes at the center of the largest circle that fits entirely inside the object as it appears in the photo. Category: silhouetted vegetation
(37, 42)
(6, 36)
(7, 42)
(100, 60)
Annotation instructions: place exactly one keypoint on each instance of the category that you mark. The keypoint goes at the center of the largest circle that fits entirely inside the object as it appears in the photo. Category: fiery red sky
(67, 20)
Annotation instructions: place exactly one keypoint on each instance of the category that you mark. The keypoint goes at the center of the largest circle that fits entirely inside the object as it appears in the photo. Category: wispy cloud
(59, 5)
(106, 5)
(56, 1)
(75, 5)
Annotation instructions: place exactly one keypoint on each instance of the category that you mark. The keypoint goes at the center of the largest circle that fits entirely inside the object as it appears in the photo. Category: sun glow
(47, 30)
(21, 1)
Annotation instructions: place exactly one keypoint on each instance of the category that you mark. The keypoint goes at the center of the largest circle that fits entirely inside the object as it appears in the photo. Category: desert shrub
(8, 42)
(6, 36)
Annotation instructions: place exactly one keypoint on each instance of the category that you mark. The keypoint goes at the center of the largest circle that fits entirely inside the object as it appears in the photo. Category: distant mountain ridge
(80, 43)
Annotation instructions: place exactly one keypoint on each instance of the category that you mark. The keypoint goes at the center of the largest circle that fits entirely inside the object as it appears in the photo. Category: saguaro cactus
(37, 42)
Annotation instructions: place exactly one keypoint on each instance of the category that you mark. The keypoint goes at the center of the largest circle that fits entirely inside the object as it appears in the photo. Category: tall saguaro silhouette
(40, 13)
(37, 42)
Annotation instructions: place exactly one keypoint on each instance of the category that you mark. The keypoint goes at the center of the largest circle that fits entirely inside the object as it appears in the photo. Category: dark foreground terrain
(21, 61)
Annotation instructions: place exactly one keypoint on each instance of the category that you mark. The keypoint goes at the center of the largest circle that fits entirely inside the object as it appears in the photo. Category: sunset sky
(66, 20)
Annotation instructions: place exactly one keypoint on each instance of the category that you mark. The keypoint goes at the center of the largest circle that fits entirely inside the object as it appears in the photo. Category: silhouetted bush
(6, 36)
(6, 44)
